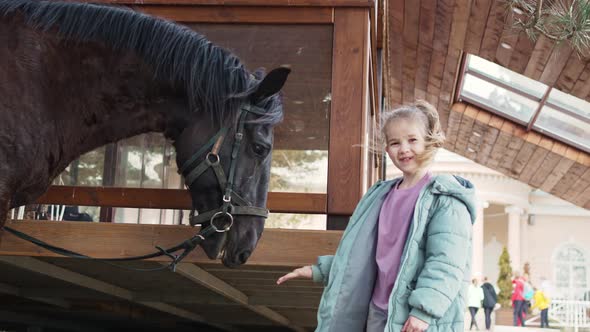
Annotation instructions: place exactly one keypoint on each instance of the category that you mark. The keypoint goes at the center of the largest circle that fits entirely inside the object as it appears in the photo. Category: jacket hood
(459, 188)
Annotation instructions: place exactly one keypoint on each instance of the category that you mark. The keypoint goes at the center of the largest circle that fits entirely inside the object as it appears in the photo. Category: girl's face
(405, 141)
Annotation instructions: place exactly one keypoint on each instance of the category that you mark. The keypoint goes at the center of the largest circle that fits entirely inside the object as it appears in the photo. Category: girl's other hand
(302, 272)
(414, 324)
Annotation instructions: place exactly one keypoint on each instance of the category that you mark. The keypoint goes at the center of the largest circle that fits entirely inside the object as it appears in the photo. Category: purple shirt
(395, 219)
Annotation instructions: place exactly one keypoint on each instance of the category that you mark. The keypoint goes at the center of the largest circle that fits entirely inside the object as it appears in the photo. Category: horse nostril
(243, 256)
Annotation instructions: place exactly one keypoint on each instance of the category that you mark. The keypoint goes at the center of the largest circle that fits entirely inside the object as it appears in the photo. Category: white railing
(567, 313)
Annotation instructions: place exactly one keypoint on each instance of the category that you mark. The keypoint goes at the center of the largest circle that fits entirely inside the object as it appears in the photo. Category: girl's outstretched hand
(414, 324)
(302, 272)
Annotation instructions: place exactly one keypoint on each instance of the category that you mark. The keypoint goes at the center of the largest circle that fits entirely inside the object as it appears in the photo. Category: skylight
(526, 101)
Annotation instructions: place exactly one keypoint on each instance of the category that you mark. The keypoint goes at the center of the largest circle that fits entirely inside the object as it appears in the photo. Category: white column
(477, 241)
(514, 243)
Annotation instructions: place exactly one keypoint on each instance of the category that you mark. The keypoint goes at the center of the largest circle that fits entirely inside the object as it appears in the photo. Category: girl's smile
(405, 141)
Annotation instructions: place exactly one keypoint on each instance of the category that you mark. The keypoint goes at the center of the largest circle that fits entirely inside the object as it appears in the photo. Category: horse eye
(259, 149)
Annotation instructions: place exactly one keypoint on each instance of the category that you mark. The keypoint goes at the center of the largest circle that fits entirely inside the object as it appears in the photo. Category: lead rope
(187, 247)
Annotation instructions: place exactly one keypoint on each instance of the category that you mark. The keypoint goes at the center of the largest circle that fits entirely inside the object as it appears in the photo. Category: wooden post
(350, 68)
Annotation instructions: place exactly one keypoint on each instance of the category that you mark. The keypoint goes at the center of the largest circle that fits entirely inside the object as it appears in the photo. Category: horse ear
(271, 84)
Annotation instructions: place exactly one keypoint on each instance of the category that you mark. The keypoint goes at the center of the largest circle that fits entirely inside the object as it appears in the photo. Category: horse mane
(214, 79)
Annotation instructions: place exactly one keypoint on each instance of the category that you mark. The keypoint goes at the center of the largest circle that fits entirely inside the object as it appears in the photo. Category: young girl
(403, 262)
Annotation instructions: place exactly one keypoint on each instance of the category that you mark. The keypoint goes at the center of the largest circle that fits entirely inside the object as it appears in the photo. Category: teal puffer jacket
(435, 267)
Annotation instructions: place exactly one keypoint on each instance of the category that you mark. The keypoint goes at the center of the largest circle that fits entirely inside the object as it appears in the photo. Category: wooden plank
(169, 199)
(211, 282)
(493, 31)
(480, 9)
(395, 50)
(454, 124)
(425, 45)
(555, 64)
(411, 32)
(570, 73)
(46, 323)
(57, 301)
(567, 182)
(539, 57)
(261, 3)
(489, 138)
(52, 271)
(475, 140)
(559, 171)
(255, 15)
(578, 187)
(350, 67)
(512, 150)
(507, 43)
(581, 88)
(536, 160)
(465, 131)
(521, 54)
(584, 199)
(453, 58)
(526, 151)
(440, 46)
(504, 137)
(277, 247)
(287, 300)
(549, 163)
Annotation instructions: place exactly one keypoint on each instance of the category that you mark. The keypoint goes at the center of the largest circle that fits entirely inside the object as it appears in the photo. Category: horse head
(227, 170)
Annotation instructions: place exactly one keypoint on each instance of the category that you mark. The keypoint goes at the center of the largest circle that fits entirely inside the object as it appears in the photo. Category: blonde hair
(425, 113)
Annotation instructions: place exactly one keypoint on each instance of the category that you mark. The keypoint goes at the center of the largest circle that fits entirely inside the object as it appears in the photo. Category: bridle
(232, 203)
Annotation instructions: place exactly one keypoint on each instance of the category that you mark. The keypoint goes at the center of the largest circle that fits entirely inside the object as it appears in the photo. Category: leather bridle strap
(232, 204)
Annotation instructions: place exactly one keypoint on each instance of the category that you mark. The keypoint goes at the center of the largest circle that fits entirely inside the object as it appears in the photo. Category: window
(571, 271)
(526, 101)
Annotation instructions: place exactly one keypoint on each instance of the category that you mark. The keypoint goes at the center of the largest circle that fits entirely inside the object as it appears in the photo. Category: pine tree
(504, 278)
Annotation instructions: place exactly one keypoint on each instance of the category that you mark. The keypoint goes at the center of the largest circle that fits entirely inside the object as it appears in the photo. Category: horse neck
(114, 98)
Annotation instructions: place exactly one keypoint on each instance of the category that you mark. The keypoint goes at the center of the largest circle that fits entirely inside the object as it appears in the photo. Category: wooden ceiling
(40, 288)
(424, 42)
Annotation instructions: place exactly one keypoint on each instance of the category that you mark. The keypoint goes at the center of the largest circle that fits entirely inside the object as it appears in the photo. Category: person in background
(405, 255)
(490, 298)
(541, 302)
(518, 299)
(474, 301)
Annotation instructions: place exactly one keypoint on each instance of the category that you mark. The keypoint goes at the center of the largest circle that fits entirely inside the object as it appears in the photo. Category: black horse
(74, 77)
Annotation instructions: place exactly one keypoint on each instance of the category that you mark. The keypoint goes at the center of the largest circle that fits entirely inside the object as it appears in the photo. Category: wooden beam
(521, 54)
(258, 3)
(425, 43)
(555, 64)
(42, 321)
(394, 51)
(493, 31)
(56, 272)
(349, 96)
(440, 46)
(480, 9)
(18, 292)
(169, 199)
(277, 247)
(539, 57)
(211, 282)
(254, 15)
(410, 45)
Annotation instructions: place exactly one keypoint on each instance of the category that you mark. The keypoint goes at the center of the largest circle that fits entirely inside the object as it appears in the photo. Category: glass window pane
(301, 141)
(299, 171)
(565, 126)
(478, 91)
(296, 221)
(569, 102)
(501, 74)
